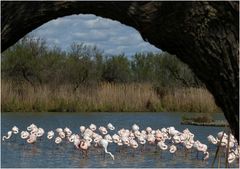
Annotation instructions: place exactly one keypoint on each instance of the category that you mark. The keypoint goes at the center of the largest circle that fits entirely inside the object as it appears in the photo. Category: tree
(117, 69)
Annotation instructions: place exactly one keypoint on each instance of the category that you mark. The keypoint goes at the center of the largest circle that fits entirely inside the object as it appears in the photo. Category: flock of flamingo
(165, 139)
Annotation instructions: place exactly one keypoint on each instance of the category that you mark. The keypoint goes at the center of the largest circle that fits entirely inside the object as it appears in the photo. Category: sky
(108, 35)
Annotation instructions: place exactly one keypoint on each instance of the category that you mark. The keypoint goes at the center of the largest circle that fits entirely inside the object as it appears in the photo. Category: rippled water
(17, 153)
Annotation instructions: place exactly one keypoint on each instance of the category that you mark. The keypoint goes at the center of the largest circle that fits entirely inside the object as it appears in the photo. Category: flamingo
(82, 129)
(62, 134)
(176, 139)
(104, 144)
(125, 140)
(159, 136)
(24, 134)
(137, 133)
(172, 131)
(135, 127)
(88, 139)
(206, 156)
(71, 138)
(32, 138)
(67, 131)
(150, 138)
(149, 130)
(172, 149)
(108, 138)
(88, 132)
(97, 139)
(59, 130)
(58, 140)
(115, 138)
(141, 140)
(50, 135)
(110, 126)
(40, 132)
(31, 127)
(133, 145)
(83, 145)
(34, 130)
(212, 139)
(103, 130)
(9, 134)
(231, 157)
(15, 130)
(93, 127)
(162, 145)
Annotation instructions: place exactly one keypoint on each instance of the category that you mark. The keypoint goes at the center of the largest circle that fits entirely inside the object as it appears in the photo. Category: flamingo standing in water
(172, 149)
(15, 130)
(32, 138)
(83, 146)
(50, 135)
(110, 126)
(58, 140)
(104, 144)
(93, 127)
(133, 145)
(9, 134)
(162, 145)
(24, 134)
(103, 130)
(82, 129)
(212, 139)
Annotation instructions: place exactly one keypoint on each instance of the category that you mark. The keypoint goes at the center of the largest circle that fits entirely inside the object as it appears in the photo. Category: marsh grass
(104, 97)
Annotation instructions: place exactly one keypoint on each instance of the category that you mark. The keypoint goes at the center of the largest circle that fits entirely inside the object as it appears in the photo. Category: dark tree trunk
(205, 35)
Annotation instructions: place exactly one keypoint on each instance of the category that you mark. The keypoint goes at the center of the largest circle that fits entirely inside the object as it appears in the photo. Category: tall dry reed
(104, 97)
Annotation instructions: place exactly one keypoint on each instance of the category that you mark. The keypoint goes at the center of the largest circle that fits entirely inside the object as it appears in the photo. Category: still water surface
(45, 153)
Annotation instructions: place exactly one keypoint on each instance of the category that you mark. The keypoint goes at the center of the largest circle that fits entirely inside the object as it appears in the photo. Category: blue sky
(108, 35)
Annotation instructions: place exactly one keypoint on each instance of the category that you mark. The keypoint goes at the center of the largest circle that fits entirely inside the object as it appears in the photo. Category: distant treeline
(31, 61)
(38, 78)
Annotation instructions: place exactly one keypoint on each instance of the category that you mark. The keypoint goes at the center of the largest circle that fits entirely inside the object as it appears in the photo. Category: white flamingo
(31, 127)
(93, 127)
(24, 134)
(206, 155)
(231, 157)
(104, 144)
(59, 130)
(9, 134)
(40, 132)
(172, 149)
(212, 139)
(58, 140)
(15, 130)
(108, 138)
(103, 130)
(67, 131)
(110, 126)
(50, 135)
(135, 127)
(162, 145)
(32, 138)
(62, 134)
(82, 129)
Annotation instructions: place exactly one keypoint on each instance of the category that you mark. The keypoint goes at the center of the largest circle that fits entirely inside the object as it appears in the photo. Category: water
(45, 153)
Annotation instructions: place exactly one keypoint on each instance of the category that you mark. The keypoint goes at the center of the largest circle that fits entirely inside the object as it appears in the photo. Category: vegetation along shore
(84, 79)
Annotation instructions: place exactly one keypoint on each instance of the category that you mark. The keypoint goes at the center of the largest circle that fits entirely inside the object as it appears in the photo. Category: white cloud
(108, 35)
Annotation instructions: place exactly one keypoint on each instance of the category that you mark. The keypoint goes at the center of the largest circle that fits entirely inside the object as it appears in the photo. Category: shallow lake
(15, 152)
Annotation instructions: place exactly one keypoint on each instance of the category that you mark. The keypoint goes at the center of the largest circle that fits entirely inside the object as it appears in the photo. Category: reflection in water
(17, 153)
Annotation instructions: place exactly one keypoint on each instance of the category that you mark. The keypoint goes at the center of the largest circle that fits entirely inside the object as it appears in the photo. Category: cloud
(108, 35)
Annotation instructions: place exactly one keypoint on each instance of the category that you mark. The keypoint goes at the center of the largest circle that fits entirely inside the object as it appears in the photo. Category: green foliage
(117, 69)
(31, 61)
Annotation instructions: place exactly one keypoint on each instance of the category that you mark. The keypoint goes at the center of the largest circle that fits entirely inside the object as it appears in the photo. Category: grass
(104, 97)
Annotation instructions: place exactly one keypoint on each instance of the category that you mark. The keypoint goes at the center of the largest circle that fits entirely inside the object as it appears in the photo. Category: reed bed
(104, 97)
